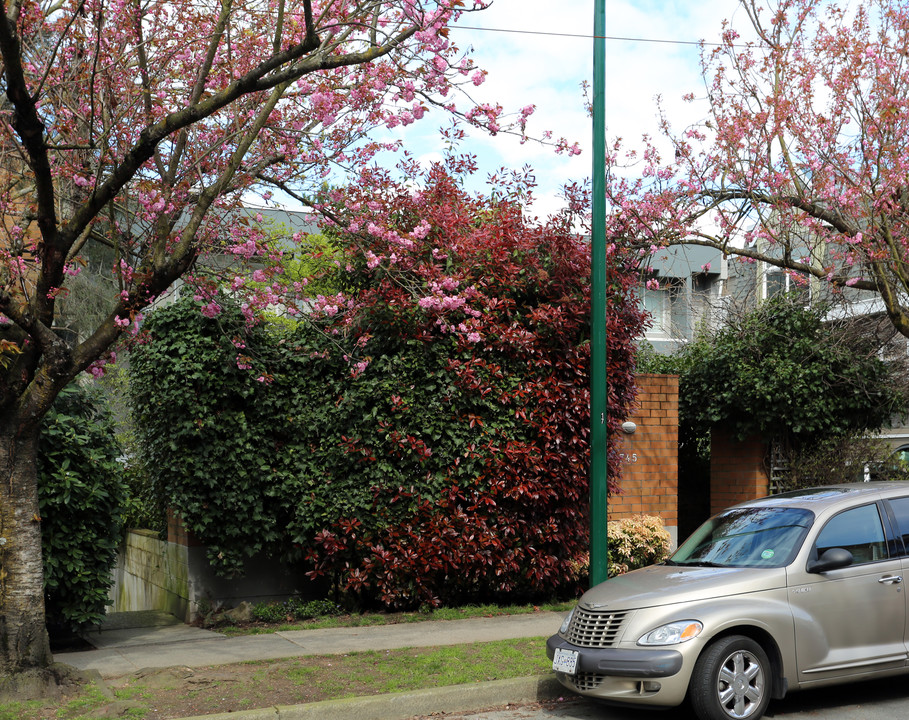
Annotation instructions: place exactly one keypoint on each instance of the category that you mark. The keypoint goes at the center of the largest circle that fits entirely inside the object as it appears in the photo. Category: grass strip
(181, 692)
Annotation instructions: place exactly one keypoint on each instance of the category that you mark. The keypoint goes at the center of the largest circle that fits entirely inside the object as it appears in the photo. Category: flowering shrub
(636, 542)
(421, 438)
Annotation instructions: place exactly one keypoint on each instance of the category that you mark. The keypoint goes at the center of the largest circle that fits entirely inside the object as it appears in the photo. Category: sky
(531, 64)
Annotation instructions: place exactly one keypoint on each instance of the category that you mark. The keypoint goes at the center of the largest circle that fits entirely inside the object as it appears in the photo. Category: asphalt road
(886, 699)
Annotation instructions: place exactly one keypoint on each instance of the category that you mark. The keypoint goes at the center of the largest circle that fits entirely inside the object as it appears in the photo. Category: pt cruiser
(784, 593)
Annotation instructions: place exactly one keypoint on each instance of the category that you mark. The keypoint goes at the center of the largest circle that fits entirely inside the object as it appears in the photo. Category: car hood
(669, 584)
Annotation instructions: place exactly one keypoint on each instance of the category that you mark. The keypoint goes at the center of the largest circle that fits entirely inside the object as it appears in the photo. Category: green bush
(782, 371)
(146, 506)
(293, 609)
(82, 496)
(636, 542)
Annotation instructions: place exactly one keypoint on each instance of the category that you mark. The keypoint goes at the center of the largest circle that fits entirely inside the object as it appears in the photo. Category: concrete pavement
(136, 641)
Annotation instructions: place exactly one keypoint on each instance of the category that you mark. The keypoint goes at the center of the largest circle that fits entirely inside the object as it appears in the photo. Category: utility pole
(599, 553)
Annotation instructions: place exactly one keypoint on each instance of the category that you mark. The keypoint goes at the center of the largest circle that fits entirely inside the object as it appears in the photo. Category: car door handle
(891, 579)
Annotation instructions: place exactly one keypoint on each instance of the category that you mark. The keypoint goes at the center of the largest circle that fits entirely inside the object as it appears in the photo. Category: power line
(584, 36)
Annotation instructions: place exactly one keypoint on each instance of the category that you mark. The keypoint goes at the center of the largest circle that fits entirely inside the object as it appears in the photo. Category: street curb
(403, 705)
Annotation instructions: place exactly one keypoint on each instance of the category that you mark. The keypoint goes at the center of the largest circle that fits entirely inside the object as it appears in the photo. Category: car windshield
(746, 537)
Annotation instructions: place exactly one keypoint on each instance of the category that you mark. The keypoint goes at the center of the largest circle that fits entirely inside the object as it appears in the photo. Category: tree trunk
(24, 643)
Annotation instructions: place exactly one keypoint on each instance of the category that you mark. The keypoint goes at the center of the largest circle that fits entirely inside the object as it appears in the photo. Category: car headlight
(673, 633)
(566, 622)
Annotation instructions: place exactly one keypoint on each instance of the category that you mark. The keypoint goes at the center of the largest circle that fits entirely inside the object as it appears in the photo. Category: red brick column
(177, 532)
(737, 470)
(650, 475)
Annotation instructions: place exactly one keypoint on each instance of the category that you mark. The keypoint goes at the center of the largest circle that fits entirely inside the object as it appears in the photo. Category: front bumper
(625, 676)
(644, 664)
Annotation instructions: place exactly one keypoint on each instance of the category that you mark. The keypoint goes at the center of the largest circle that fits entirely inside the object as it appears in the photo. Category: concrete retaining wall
(152, 574)
(176, 577)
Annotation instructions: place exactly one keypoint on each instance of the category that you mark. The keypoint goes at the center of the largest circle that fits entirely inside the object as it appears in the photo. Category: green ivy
(257, 466)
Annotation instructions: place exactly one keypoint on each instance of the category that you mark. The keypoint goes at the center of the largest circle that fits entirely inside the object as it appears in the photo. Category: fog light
(648, 686)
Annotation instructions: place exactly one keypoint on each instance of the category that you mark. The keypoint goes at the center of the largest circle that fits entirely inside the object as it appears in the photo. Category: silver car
(784, 593)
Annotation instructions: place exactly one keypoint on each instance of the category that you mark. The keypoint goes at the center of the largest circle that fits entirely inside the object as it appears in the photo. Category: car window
(859, 531)
(746, 537)
(900, 507)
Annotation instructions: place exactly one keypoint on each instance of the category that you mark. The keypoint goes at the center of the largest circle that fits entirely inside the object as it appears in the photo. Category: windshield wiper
(700, 563)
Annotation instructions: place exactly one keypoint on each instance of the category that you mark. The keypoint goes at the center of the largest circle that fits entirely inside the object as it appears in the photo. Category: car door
(899, 518)
(851, 620)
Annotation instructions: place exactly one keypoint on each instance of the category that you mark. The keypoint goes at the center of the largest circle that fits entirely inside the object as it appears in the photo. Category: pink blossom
(358, 368)
(211, 309)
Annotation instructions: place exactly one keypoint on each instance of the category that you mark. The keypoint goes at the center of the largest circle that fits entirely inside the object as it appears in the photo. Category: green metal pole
(599, 557)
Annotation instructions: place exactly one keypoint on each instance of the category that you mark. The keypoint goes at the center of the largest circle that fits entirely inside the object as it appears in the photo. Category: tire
(731, 680)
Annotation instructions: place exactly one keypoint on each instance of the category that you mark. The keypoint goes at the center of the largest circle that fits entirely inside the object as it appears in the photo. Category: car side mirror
(832, 559)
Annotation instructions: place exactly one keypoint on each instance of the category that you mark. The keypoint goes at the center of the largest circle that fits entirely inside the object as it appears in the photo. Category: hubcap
(740, 685)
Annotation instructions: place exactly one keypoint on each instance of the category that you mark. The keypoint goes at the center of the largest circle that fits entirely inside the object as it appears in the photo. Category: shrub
(838, 460)
(636, 542)
(293, 609)
(82, 495)
(419, 440)
(782, 371)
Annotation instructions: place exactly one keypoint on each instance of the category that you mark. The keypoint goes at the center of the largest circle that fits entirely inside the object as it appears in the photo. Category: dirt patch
(181, 692)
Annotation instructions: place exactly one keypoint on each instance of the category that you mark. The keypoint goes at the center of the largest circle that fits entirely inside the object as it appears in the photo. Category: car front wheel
(731, 680)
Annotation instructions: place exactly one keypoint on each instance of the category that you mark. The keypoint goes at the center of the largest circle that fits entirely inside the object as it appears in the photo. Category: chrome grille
(594, 629)
(585, 681)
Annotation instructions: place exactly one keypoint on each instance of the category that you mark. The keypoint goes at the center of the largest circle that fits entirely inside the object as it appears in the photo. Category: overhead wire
(584, 36)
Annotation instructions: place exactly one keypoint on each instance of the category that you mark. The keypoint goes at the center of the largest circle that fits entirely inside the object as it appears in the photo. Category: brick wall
(736, 470)
(177, 532)
(649, 482)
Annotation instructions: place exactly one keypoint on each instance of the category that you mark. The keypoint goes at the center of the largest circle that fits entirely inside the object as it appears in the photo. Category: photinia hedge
(422, 436)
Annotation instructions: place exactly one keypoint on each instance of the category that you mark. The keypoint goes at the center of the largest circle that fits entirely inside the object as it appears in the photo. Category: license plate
(565, 661)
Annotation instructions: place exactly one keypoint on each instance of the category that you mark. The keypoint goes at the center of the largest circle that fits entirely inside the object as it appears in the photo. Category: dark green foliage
(293, 609)
(145, 507)
(780, 371)
(841, 460)
(212, 433)
(82, 496)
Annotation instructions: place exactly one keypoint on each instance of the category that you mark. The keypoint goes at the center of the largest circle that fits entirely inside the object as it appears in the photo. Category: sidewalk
(134, 641)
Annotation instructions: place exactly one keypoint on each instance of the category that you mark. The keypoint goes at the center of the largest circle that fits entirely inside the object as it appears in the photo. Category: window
(859, 531)
(780, 282)
(900, 507)
(747, 537)
(667, 307)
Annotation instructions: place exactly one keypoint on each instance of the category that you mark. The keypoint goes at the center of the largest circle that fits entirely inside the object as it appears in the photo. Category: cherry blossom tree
(136, 126)
(801, 160)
